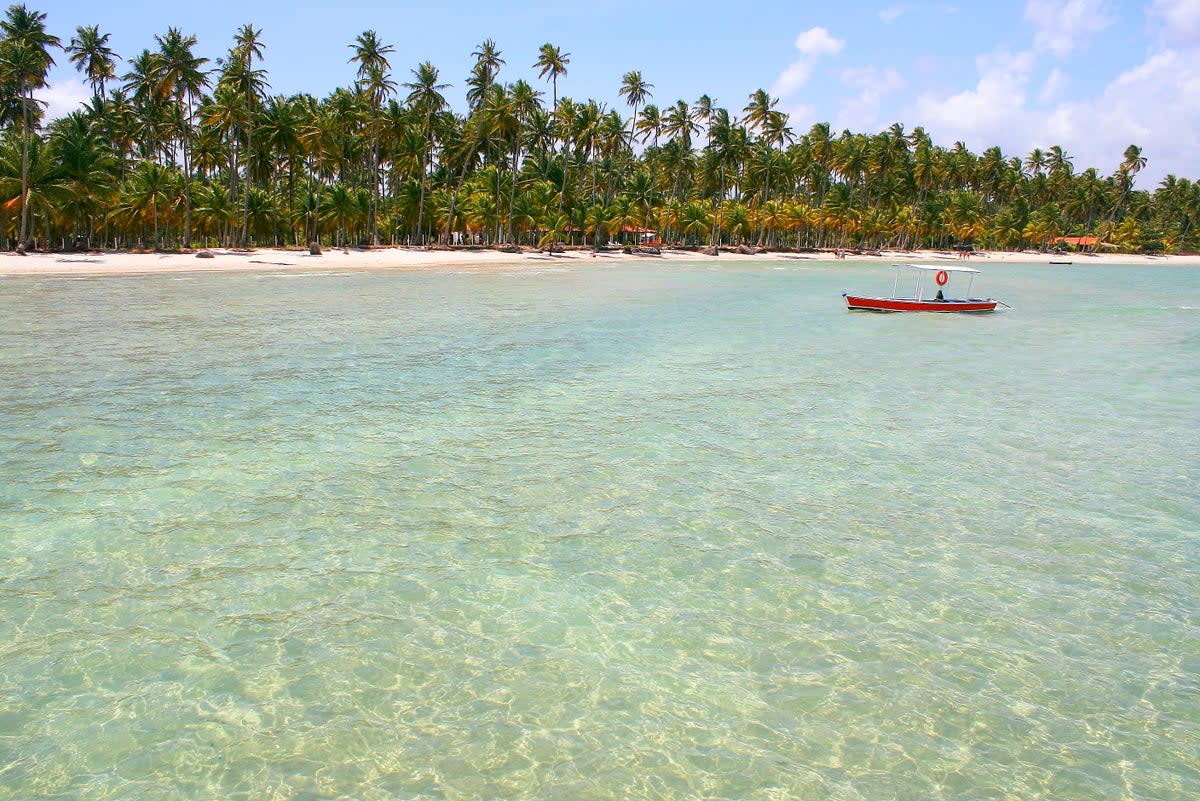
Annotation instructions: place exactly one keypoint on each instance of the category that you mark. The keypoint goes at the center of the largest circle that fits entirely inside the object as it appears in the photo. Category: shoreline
(402, 258)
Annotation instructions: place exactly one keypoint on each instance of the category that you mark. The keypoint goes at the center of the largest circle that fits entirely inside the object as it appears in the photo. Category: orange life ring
(941, 278)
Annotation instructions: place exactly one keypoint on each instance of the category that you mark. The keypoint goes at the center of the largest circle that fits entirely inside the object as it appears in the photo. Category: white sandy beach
(266, 259)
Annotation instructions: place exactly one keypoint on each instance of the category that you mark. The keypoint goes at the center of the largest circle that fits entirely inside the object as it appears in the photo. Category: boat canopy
(941, 270)
(935, 268)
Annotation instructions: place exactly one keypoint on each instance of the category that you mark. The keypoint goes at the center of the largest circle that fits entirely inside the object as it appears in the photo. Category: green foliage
(174, 149)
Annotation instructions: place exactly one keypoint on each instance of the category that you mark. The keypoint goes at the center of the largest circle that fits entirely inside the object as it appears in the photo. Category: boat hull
(970, 305)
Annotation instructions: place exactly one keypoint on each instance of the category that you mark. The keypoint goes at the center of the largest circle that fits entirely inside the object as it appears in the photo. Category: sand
(267, 259)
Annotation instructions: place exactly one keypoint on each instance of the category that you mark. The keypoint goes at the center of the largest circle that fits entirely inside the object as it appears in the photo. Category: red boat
(918, 302)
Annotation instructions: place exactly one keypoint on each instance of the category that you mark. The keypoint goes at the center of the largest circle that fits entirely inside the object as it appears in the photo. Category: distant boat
(1059, 262)
(918, 302)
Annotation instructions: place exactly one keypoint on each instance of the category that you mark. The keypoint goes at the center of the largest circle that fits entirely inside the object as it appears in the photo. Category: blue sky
(1090, 75)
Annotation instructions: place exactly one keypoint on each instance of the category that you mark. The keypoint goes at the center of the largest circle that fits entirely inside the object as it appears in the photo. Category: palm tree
(91, 55)
(349, 164)
(466, 155)
(24, 61)
(1132, 164)
(487, 66)
(221, 119)
(425, 98)
(1134, 160)
(341, 209)
(1058, 162)
(47, 192)
(650, 126)
(1035, 161)
(726, 146)
(150, 114)
(819, 141)
(180, 74)
(704, 109)
(483, 75)
(964, 215)
(251, 83)
(614, 152)
(215, 210)
(775, 132)
(695, 219)
(502, 132)
(993, 170)
(148, 190)
(553, 62)
(679, 123)
(376, 84)
(565, 119)
(369, 52)
(522, 104)
(280, 131)
(759, 109)
(635, 91)
(86, 167)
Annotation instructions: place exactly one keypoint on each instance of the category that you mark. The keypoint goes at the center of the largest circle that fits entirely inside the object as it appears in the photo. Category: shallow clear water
(666, 532)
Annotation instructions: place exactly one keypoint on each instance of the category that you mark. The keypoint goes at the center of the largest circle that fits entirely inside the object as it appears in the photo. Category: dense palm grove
(174, 151)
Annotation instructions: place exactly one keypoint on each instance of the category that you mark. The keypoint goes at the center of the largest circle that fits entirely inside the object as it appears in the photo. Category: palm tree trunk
(375, 178)
(22, 242)
(592, 159)
(187, 181)
(566, 167)
(245, 235)
(228, 229)
(462, 179)
(512, 190)
(766, 198)
(424, 171)
(717, 212)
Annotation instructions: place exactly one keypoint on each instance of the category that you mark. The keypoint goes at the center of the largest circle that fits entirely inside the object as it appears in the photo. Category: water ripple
(606, 533)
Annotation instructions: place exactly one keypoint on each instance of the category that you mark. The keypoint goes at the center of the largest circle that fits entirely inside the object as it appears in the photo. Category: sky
(1092, 76)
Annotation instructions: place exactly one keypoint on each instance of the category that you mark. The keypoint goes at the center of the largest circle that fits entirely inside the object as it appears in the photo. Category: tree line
(175, 151)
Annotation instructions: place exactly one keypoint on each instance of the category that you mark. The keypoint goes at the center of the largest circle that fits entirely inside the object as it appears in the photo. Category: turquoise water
(674, 531)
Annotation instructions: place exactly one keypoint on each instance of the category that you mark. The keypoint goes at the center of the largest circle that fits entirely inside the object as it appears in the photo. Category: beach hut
(1077, 242)
(639, 236)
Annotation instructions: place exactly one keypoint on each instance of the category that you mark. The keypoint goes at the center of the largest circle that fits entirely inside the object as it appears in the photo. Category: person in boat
(939, 297)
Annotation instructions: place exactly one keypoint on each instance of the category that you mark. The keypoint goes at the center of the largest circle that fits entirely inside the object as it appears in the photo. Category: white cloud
(1155, 105)
(791, 79)
(872, 79)
(1179, 19)
(892, 13)
(997, 103)
(813, 44)
(861, 112)
(1061, 25)
(1053, 88)
(801, 116)
(817, 42)
(62, 97)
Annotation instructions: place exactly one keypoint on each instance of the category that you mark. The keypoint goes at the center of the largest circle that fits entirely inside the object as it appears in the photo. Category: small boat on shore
(941, 302)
